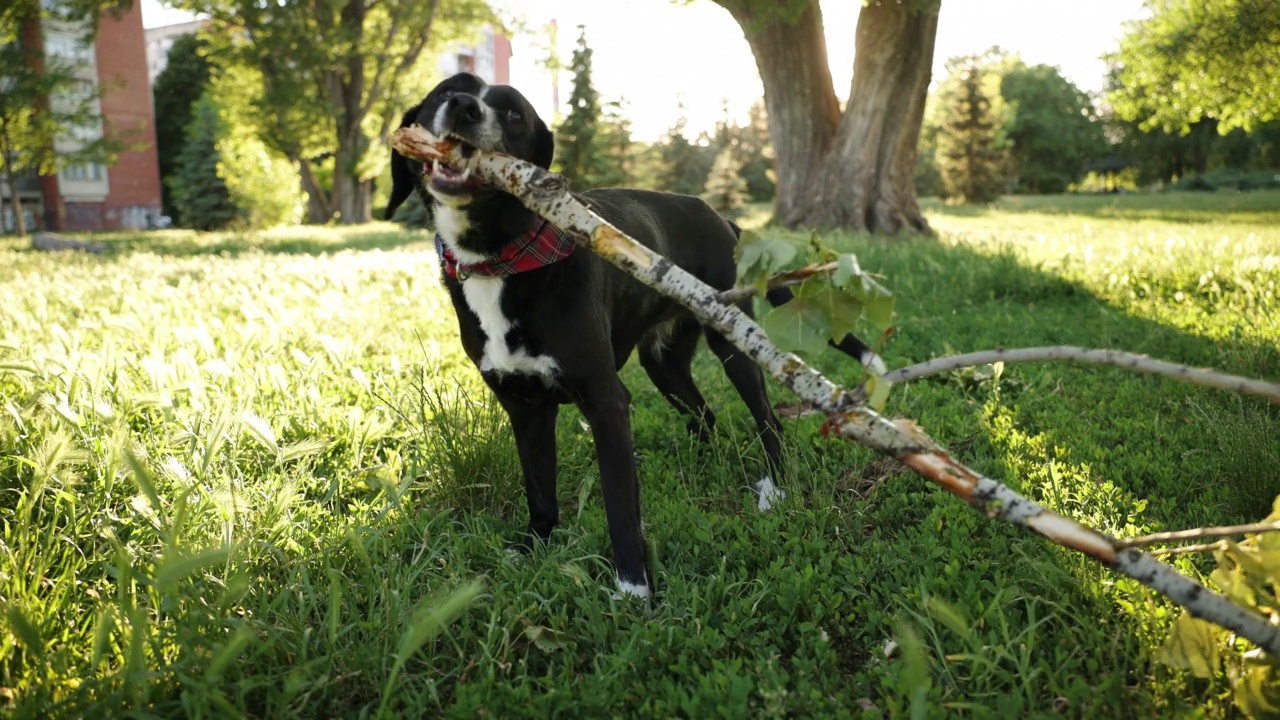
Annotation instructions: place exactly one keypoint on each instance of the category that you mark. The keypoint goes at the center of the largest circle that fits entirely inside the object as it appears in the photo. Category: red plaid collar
(538, 248)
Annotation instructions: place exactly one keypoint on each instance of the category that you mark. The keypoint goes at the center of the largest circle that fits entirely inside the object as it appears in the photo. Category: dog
(547, 325)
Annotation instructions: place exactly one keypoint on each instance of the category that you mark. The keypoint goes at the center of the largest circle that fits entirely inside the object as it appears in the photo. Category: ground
(253, 475)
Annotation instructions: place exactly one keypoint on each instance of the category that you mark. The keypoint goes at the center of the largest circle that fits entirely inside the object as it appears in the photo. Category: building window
(83, 172)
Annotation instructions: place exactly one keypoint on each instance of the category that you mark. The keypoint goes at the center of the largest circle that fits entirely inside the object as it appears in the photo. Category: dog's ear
(403, 178)
(544, 144)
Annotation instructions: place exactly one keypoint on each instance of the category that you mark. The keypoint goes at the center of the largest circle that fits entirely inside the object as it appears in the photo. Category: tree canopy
(336, 77)
(1198, 59)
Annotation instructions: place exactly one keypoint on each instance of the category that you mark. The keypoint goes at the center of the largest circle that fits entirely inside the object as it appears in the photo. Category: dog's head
(486, 117)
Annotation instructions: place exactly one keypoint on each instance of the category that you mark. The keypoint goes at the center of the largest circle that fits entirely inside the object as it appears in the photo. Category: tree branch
(1090, 356)
(547, 195)
(791, 277)
(1198, 534)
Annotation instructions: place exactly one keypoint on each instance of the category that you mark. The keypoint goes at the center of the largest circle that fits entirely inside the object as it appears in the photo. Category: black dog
(548, 326)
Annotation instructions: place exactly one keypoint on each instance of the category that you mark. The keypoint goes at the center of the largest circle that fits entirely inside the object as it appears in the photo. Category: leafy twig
(1114, 358)
(791, 277)
(1197, 534)
(547, 195)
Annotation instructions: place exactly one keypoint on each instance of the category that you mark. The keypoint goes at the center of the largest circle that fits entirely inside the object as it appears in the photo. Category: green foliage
(1246, 573)
(225, 173)
(682, 165)
(824, 308)
(1052, 128)
(198, 189)
(726, 188)
(578, 153)
(262, 183)
(1198, 59)
(175, 92)
(336, 78)
(970, 155)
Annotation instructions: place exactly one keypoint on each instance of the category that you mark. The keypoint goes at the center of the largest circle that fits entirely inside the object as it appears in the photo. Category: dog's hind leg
(667, 357)
(534, 426)
(747, 378)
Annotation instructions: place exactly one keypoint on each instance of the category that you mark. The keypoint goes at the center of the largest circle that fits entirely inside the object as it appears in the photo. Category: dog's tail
(850, 344)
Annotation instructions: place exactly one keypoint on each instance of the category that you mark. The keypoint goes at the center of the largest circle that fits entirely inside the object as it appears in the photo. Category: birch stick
(547, 195)
(1091, 356)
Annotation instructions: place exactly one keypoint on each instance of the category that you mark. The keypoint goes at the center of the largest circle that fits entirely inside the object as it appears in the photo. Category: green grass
(254, 475)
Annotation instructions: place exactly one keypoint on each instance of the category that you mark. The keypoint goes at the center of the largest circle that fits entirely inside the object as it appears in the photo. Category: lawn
(249, 475)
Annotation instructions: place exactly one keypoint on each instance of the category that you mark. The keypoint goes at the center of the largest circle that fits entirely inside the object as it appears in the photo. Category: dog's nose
(463, 110)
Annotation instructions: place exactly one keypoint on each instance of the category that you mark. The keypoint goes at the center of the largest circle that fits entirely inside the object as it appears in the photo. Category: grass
(254, 476)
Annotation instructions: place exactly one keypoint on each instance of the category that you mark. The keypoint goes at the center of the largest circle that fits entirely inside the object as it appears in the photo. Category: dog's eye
(514, 116)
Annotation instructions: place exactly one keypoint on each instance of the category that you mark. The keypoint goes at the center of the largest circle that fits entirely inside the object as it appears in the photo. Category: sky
(656, 54)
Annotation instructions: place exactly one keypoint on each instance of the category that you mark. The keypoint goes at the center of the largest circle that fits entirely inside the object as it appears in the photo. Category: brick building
(91, 196)
(490, 60)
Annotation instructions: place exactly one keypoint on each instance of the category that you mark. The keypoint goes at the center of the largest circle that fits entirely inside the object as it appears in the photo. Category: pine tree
(175, 92)
(726, 189)
(969, 156)
(684, 165)
(199, 193)
(576, 145)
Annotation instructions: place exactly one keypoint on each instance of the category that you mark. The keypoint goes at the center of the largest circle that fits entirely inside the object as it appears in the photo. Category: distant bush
(1229, 179)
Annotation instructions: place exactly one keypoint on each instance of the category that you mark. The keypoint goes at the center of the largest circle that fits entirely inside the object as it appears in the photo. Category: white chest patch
(484, 296)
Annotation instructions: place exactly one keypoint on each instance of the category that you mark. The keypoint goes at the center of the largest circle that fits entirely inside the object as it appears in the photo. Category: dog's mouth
(450, 179)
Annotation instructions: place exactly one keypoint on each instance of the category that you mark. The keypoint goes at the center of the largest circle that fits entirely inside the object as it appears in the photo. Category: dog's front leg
(534, 426)
(606, 406)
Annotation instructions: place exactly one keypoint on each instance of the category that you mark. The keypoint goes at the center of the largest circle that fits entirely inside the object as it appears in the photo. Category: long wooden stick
(547, 195)
(1091, 356)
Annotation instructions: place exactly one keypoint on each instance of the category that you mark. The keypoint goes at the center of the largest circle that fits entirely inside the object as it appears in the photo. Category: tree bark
(856, 170)
(319, 208)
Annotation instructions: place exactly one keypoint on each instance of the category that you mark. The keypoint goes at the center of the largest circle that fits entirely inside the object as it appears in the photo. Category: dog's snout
(464, 110)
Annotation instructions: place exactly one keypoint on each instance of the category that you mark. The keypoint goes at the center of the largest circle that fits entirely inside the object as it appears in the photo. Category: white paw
(515, 557)
(628, 589)
(874, 363)
(769, 494)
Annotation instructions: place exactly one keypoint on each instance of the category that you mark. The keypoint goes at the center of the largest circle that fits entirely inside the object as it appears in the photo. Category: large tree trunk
(854, 170)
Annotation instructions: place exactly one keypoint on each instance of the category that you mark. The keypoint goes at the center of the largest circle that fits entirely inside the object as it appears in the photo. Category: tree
(969, 156)
(1052, 127)
(851, 168)
(198, 189)
(755, 153)
(682, 165)
(42, 98)
(1200, 59)
(175, 92)
(726, 189)
(578, 154)
(337, 77)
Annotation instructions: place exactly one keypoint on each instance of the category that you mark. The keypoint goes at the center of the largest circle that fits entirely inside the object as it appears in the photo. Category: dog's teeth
(466, 172)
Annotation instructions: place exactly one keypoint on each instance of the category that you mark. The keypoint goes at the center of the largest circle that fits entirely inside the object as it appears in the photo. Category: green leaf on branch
(1192, 645)
(876, 299)
(760, 258)
(846, 270)
(877, 391)
(842, 310)
(799, 326)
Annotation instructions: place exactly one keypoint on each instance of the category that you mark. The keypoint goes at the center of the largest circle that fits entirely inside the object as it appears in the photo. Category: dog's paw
(632, 590)
(768, 494)
(517, 556)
